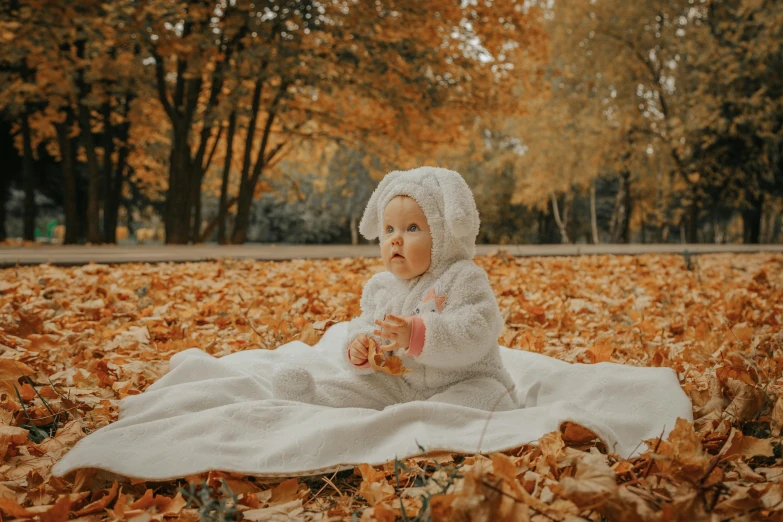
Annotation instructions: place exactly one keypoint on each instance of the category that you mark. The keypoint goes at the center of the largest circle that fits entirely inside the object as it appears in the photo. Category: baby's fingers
(389, 347)
(388, 327)
(364, 341)
(396, 319)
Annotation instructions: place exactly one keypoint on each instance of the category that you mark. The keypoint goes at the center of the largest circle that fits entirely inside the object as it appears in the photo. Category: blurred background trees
(273, 120)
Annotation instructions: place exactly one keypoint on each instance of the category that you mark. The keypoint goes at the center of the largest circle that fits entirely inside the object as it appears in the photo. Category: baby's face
(406, 243)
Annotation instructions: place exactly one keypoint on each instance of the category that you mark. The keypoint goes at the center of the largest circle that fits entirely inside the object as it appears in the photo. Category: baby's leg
(374, 391)
(482, 393)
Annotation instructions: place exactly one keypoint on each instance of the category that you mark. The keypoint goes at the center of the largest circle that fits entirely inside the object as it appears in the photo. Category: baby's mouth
(397, 256)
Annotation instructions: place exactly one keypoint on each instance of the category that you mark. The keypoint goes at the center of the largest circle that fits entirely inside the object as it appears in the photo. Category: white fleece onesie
(453, 354)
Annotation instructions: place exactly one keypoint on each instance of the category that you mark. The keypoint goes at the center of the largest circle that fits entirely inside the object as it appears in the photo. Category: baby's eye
(389, 229)
(412, 226)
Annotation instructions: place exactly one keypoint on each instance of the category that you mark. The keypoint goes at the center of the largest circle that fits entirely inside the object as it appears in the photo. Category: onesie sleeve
(468, 327)
(365, 323)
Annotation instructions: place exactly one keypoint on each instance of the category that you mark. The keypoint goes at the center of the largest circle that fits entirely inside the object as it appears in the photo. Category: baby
(433, 306)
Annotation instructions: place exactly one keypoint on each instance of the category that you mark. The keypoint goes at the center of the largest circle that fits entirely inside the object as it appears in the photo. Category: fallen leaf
(380, 362)
(592, 485)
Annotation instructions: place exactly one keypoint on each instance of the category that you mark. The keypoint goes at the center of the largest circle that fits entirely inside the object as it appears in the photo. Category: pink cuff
(416, 344)
(365, 365)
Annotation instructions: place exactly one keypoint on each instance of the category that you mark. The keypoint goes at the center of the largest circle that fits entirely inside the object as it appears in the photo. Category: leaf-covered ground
(74, 341)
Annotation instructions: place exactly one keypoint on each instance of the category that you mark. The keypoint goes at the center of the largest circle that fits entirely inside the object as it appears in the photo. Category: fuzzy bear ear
(460, 212)
(369, 226)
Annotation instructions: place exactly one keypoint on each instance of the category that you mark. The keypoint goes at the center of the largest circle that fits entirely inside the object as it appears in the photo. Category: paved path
(79, 255)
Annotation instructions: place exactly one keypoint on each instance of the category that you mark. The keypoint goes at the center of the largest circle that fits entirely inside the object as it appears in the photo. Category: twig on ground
(322, 488)
(328, 481)
(657, 445)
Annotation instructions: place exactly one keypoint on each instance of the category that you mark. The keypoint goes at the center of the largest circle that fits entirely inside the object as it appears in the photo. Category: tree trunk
(94, 176)
(4, 185)
(716, 231)
(113, 201)
(114, 174)
(180, 109)
(222, 208)
(620, 224)
(88, 140)
(199, 169)
(776, 227)
(354, 230)
(178, 196)
(30, 208)
(195, 201)
(243, 203)
(110, 206)
(751, 220)
(212, 225)
(769, 229)
(242, 219)
(70, 195)
(547, 228)
(692, 231)
(561, 222)
(593, 217)
(262, 160)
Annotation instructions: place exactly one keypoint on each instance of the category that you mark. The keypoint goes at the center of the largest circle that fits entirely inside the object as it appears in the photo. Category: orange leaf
(576, 434)
(100, 504)
(601, 351)
(743, 333)
(390, 364)
(285, 492)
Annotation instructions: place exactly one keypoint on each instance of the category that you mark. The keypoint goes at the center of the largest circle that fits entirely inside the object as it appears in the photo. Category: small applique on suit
(433, 301)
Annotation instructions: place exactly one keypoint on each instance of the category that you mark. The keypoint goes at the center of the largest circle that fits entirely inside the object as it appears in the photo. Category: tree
(742, 89)
(322, 71)
(71, 73)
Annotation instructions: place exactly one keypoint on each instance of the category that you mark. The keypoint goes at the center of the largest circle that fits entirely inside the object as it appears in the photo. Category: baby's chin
(402, 272)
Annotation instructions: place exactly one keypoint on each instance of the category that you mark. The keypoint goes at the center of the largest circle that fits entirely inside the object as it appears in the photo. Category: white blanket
(209, 413)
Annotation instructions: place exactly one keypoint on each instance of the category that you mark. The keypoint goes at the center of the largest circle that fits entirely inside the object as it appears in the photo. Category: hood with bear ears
(448, 205)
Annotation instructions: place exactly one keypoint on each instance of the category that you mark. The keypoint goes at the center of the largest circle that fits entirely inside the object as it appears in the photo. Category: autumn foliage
(167, 90)
(604, 121)
(76, 340)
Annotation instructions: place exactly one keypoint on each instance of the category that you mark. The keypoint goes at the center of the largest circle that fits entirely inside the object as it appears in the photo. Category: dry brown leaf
(746, 400)
(291, 510)
(576, 434)
(742, 332)
(11, 435)
(746, 446)
(673, 318)
(10, 372)
(102, 503)
(285, 492)
(381, 362)
(600, 351)
(592, 485)
(374, 487)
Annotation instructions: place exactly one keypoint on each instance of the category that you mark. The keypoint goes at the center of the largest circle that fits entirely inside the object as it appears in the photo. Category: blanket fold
(208, 413)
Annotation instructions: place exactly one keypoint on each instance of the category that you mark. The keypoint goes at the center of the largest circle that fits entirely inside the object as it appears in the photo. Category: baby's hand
(359, 349)
(396, 328)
